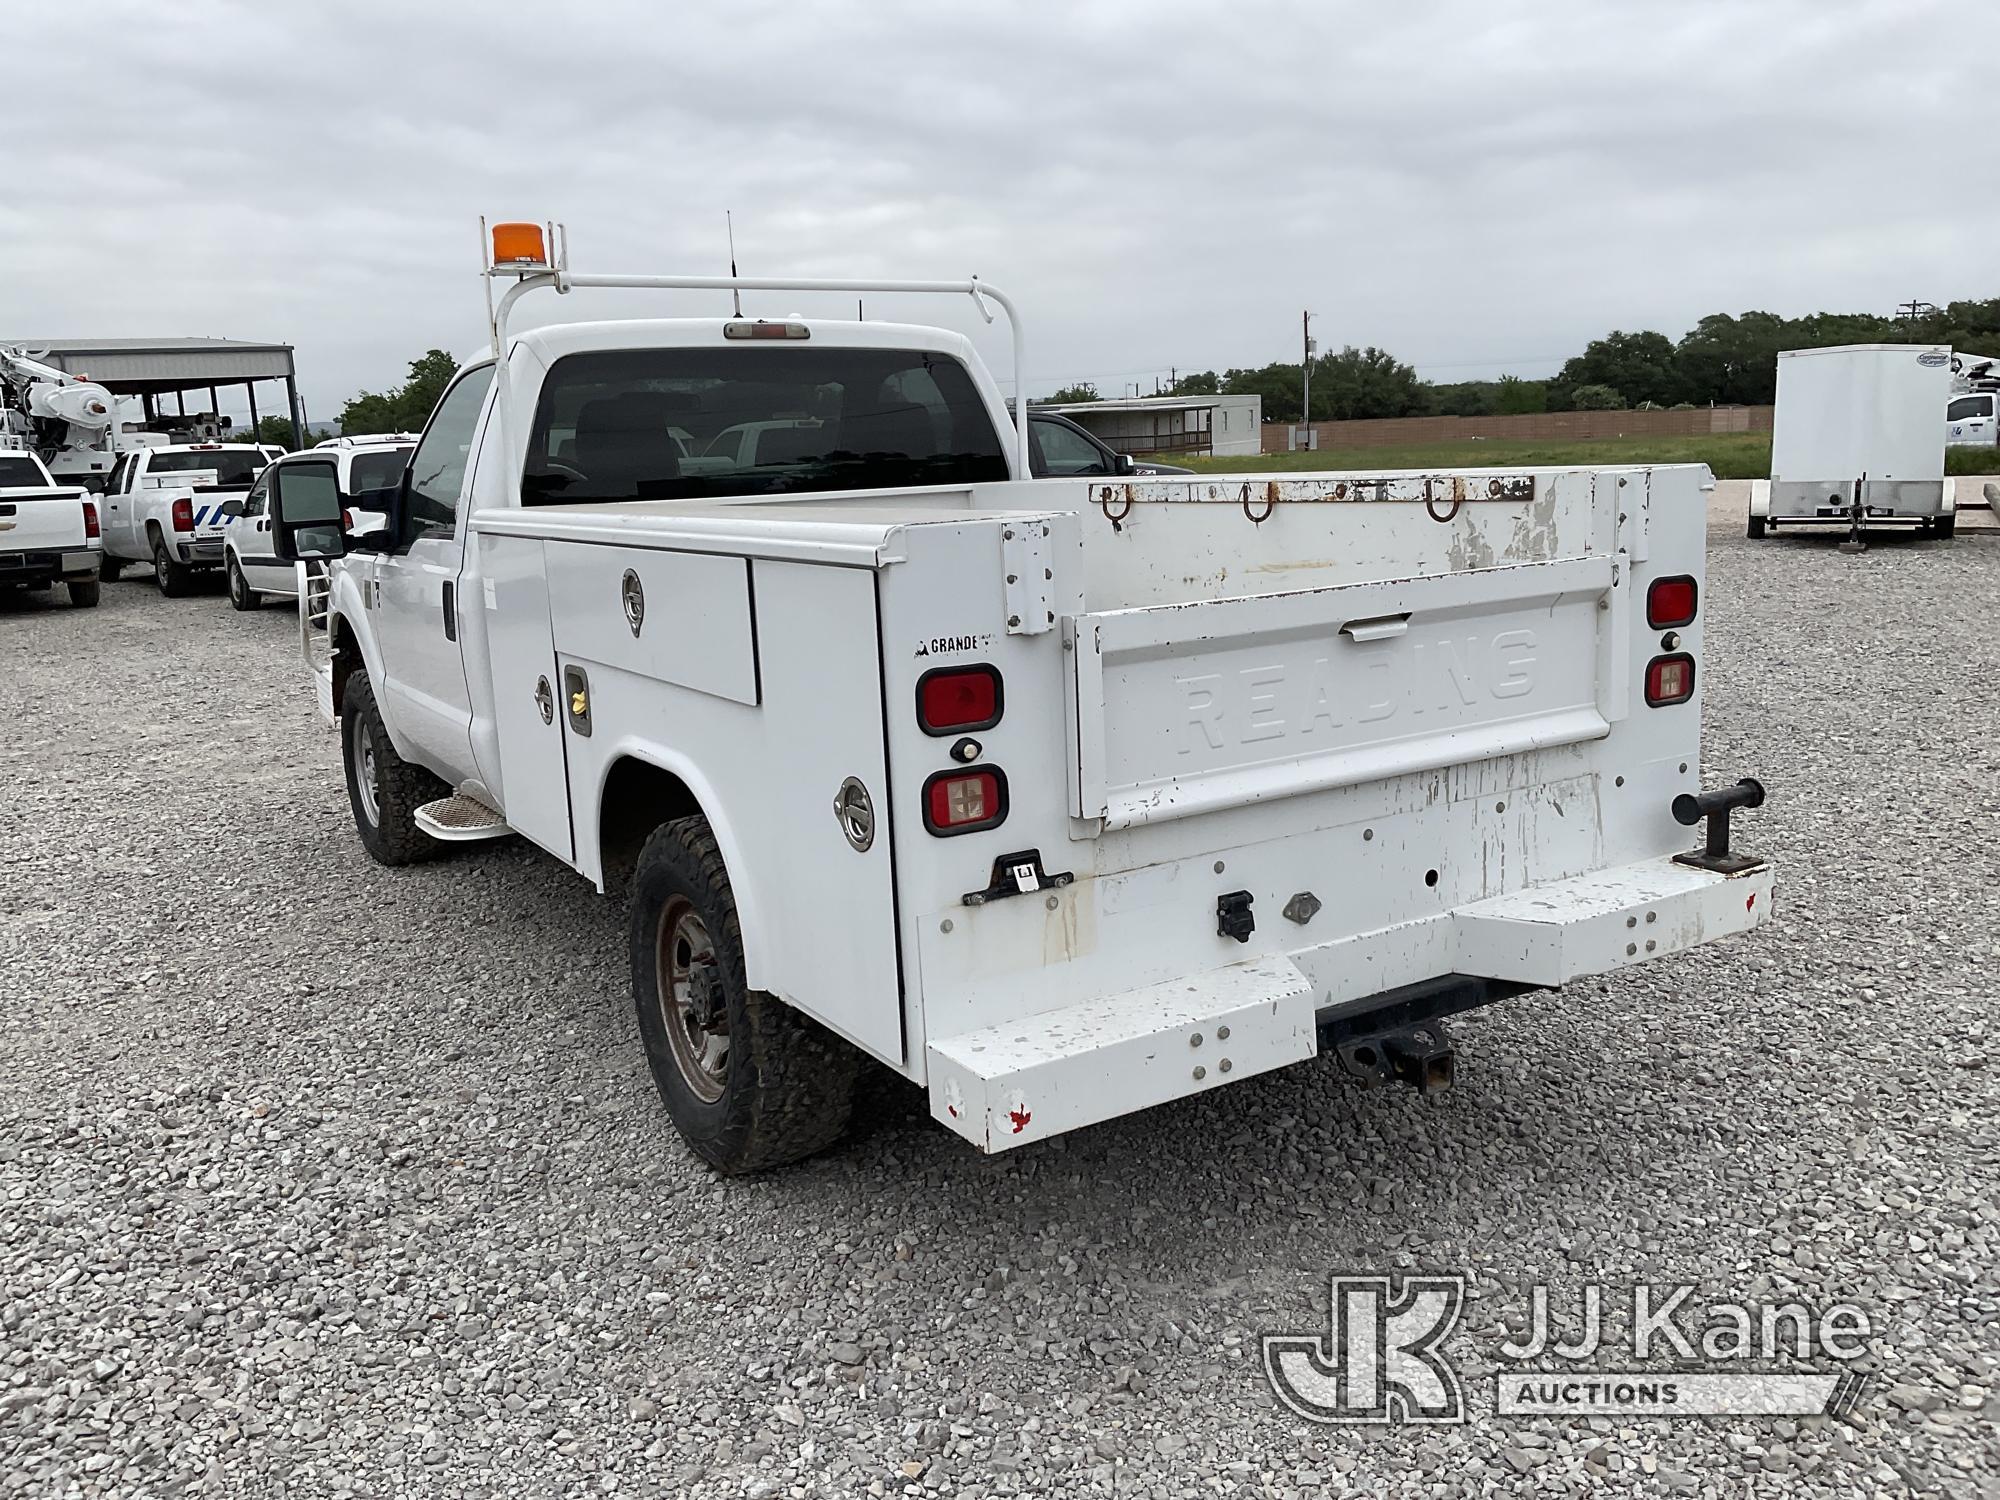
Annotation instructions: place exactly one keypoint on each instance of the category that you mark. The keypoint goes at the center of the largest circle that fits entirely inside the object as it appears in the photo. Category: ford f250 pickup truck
(1061, 798)
(48, 532)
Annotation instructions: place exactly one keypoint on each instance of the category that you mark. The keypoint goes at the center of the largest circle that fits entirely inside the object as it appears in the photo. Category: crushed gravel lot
(321, 1179)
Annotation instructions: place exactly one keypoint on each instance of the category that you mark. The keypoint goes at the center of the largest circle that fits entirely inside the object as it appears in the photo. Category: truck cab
(1969, 420)
(1061, 798)
(165, 505)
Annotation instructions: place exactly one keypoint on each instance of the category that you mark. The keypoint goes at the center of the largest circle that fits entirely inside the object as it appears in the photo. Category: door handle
(1378, 629)
(450, 613)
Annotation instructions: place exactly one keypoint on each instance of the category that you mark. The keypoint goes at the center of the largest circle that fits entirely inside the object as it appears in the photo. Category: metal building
(156, 369)
(1164, 425)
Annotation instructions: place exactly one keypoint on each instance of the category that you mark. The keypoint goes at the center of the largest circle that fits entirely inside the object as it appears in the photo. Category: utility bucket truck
(68, 422)
(1061, 798)
(1855, 441)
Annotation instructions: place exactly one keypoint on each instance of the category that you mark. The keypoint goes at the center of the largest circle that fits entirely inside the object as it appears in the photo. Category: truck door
(251, 532)
(416, 624)
(116, 522)
(1971, 420)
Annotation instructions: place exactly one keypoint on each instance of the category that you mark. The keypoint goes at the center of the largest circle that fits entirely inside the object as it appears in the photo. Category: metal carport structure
(153, 368)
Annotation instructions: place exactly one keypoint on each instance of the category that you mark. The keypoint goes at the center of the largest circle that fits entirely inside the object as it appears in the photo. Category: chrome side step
(461, 820)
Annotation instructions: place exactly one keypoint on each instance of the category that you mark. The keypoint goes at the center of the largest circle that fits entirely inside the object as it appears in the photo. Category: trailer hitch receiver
(1715, 853)
(1420, 1056)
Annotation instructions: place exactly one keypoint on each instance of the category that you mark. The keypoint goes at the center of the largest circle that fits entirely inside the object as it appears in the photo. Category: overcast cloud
(1476, 188)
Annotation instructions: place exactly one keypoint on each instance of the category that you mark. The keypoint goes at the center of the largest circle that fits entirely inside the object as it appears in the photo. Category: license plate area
(1183, 709)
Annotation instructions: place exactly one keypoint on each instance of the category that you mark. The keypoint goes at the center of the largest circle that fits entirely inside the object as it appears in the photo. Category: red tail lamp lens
(1670, 603)
(184, 515)
(1669, 679)
(951, 700)
(89, 520)
(964, 801)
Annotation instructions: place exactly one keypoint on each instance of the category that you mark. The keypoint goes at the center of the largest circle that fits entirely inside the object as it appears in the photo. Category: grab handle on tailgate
(1378, 629)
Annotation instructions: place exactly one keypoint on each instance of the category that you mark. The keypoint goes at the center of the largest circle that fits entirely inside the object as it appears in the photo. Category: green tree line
(1724, 360)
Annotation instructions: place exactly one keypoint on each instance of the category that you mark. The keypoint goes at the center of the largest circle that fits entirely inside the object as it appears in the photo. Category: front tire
(242, 597)
(84, 594)
(384, 790)
(1756, 527)
(109, 567)
(1944, 528)
(750, 1082)
(176, 580)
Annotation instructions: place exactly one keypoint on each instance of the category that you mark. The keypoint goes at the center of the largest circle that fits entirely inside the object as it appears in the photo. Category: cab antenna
(736, 291)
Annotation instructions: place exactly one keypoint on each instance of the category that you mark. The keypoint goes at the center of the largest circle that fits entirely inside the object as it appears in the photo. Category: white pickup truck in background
(1061, 798)
(48, 532)
(166, 506)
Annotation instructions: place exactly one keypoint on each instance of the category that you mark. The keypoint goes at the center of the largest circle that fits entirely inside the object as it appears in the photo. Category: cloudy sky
(1476, 187)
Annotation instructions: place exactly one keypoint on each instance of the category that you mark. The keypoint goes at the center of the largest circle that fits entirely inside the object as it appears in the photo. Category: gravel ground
(319, 1179)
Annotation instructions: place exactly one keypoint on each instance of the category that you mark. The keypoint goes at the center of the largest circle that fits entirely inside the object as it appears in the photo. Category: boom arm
(51, 410)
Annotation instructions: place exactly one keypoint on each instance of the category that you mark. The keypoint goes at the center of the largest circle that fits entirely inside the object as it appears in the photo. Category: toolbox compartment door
(1182, 709)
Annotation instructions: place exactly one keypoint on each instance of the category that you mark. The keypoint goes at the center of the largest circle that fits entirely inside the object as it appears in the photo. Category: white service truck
(48, 531)
(1855, 441)
(353, 471)
(1061, 798)
(170, 506)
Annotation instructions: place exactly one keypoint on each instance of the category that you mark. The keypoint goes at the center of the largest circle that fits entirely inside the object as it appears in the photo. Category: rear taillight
(965, 801)
(952, 700)
(184, 515)
(89, 520)
(1669, 679)
(1670, 603)
(346, 519)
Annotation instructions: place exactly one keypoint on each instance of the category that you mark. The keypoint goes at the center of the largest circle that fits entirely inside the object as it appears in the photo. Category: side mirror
(308, 541)
(306, 524)
(1125, 464)
(232, 509)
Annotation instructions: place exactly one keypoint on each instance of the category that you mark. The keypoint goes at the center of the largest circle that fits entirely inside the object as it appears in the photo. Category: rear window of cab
(663, 424)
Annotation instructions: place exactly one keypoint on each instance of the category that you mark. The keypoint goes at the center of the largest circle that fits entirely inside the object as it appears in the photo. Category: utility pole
(1306, 401)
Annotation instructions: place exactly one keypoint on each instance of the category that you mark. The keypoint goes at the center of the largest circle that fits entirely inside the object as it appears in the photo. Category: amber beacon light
(519, 245)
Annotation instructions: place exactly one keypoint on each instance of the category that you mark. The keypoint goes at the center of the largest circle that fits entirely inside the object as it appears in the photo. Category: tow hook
(1715, 854)
(1422, 1057)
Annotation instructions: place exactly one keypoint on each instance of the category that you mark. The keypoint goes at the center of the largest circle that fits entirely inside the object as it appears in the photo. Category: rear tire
(176, 580)
(384, 790)
(750, 1082)
(1944, 528)
(1756, 527)
(84, 595)
(241, 596)
(109, 567)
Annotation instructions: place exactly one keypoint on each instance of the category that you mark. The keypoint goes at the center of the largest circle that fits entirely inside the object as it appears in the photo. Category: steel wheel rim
(364, 772)
(691, 1012)
(235, 583)
(160, 567)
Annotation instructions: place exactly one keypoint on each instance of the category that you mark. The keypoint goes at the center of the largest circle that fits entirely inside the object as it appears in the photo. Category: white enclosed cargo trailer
(1061, 798)
(1855, 440)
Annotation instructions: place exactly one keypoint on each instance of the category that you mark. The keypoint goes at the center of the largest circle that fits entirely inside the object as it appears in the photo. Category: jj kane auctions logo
(1382, 1356)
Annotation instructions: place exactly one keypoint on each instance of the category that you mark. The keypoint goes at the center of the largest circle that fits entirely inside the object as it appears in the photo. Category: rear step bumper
(1023, 1080)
